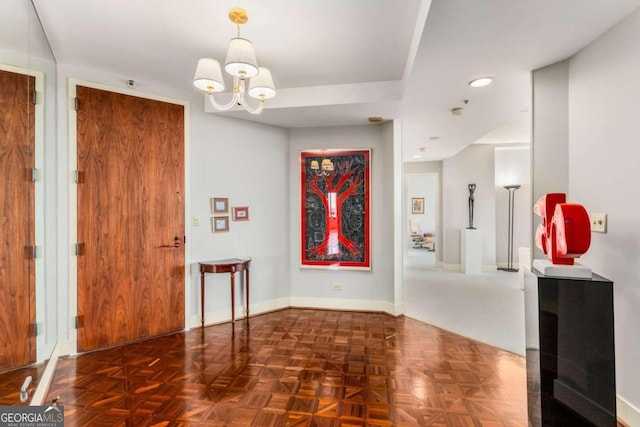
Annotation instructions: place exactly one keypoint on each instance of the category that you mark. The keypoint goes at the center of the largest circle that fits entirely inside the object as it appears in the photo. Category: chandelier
(242, 65)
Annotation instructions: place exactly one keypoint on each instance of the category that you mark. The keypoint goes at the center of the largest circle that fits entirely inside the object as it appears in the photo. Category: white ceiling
(337, 62)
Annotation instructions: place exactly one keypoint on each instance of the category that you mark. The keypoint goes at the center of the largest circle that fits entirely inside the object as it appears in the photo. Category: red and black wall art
(335, 209)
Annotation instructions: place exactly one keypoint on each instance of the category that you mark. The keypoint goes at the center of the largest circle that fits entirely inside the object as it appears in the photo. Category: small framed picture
(219, 224)
(219, 205)
(417, 205)
(240, 213)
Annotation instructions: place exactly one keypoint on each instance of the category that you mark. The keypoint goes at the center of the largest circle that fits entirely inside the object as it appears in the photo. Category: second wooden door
(17, 287)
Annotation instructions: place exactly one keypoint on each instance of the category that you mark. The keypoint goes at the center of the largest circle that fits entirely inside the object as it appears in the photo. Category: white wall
(550, 152)
(372, 290)
(248, 163)
(604, 135)
(474, 164)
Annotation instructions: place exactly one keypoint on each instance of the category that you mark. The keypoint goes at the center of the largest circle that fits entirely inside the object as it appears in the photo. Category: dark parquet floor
(297, 367)
(11, 383)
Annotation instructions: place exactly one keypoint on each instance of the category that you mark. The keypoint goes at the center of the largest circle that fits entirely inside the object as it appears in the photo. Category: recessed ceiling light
(417, 156)
(376, 119)
(434, 138)
(482, 81)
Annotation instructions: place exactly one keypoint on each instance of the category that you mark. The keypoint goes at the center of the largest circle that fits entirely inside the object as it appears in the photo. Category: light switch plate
(599, 222)
(196, 221)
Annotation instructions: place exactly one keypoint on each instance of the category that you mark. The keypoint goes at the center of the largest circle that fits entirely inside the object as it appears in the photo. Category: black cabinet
(570, 352)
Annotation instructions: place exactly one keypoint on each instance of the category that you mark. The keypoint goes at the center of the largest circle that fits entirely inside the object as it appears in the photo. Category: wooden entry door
(17, 276)
(130, 217)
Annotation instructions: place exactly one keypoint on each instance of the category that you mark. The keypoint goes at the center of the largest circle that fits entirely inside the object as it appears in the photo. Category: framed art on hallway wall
(335, 214)
(417, 205)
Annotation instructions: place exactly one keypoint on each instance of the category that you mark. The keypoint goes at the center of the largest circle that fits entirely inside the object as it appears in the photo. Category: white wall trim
(488, 268)
(491, 268)
(628, 413)
(399, 291)
(224, 315)
(346, 304)
(44, 382)
(505, 265)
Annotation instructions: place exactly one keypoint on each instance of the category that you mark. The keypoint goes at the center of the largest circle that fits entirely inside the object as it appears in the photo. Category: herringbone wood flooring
(297, 367)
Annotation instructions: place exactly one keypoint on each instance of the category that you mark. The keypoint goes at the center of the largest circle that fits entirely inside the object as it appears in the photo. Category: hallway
(488, 307)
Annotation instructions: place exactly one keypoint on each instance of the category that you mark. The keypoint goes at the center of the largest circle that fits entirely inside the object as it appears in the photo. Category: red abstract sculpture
(565, 232)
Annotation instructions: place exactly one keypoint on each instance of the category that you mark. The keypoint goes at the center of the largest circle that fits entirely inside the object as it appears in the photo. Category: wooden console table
(232, 266)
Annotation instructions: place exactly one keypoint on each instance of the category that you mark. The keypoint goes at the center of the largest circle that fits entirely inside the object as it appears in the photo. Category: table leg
(202, 296)
(247, 291)
(233, 298)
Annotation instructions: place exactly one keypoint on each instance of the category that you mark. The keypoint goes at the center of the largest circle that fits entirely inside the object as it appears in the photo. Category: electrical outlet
(196, 221)
(599, 222)
(336, 286)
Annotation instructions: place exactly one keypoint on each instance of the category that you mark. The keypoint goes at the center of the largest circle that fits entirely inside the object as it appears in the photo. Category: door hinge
(79, 322)
(34, 175)
(185, 239)
(76, 104)
(77, 176)
(79, 249)
(34, 97)
(36, 252)
(36, 329)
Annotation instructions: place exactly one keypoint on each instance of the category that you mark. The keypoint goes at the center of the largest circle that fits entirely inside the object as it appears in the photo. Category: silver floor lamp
(511, 189)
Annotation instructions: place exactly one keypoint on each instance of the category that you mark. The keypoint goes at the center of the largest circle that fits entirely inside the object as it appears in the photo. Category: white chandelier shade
(241, 59)
(241, 64)
(262, 86)
(208, 76)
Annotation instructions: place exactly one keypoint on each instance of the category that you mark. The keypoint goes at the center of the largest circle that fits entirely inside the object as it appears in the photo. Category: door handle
(176, 243)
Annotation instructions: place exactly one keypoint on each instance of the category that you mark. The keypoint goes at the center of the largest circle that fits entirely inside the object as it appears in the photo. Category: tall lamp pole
(511, 189)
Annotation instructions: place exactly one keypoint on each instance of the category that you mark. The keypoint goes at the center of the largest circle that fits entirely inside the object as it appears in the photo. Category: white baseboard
(627, 413)
(224, 315)
(458, 267)
(399, 309)
(506, 264)
(44, 382)
(271, 305)
(347, 304)
(67, 347)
